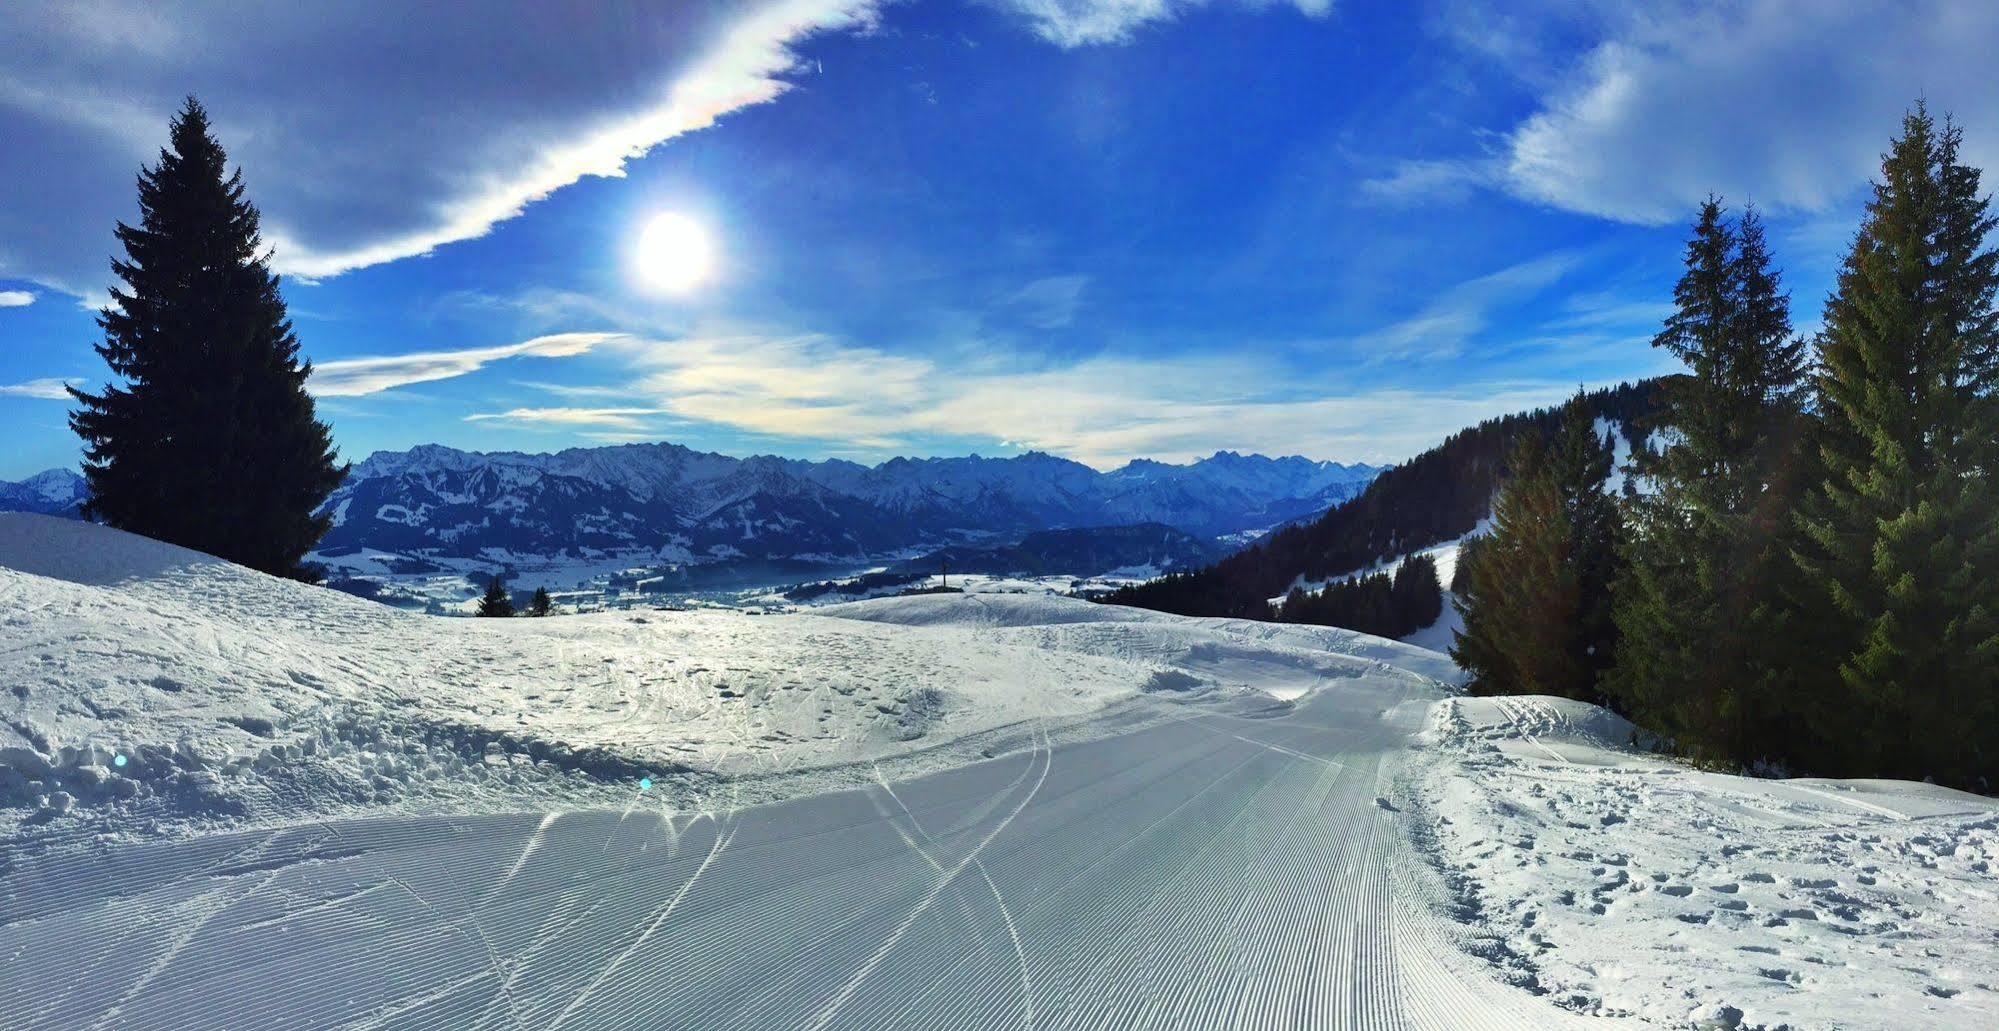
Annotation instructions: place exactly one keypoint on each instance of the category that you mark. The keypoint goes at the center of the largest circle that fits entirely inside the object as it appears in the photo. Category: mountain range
(53, 492)
(674, 504)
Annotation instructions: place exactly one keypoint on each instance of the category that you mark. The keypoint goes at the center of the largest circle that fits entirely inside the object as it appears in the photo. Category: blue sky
(1101, 228)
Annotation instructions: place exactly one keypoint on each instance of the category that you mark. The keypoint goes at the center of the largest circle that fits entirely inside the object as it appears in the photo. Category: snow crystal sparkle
(645, 783)
(118, 760)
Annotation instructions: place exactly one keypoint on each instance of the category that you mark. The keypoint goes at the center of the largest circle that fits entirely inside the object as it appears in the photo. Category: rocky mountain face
(684, 505)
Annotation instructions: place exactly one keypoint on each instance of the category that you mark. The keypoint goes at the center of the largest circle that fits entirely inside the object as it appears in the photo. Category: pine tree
(210, 441)
(1419, 598)
(1536, 604)
(1696, 604)
(541, 604)
(1900, 566)
(496, 602)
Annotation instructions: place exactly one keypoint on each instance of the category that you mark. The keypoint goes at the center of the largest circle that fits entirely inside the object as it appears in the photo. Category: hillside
(1438, 496)
(1082, 551)
(235, 696)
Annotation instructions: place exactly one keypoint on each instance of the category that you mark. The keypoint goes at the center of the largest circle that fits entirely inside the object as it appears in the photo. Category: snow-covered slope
(231, 695)
(1623, 884)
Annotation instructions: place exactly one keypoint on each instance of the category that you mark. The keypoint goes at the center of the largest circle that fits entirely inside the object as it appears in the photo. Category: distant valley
(663, 517)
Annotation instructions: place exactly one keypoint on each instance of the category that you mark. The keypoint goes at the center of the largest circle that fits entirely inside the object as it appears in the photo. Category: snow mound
(146, 683)
(1254, 637)
(1623, 884)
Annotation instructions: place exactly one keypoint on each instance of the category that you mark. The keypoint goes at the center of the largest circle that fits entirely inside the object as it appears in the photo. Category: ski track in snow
(1123, 820)
(1217, 870)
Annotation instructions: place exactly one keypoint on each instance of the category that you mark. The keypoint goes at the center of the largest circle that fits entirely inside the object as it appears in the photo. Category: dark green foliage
(1536, 604)
(1376, 603)
(1438, 496)
(1467, 554)
(1899, 580)
(209, 439)
(541, 604)
(496, 601)
(1696, 608)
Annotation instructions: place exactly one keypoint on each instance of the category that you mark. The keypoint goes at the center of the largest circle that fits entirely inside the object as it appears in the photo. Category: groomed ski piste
(234, 801)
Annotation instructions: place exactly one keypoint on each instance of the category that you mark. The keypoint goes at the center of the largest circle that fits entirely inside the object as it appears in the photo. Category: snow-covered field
(989, 809)
(233, 697)
(1622, 884)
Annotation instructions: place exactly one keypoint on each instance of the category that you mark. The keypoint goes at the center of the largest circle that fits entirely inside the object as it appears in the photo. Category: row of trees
(1808, 569)
(1385, 604)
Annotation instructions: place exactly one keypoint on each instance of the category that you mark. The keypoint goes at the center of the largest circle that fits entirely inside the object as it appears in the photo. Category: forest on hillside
(1437, 496)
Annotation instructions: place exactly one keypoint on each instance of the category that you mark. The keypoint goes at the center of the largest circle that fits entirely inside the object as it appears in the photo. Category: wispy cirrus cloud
(352, 377)
(1046, 303)
(1445, 325)
(1102, 410)
(1080, 23)
(49, 389)
(633, 419)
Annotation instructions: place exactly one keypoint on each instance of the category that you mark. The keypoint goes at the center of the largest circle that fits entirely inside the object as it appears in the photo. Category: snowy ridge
(51, 492)
(649, 500)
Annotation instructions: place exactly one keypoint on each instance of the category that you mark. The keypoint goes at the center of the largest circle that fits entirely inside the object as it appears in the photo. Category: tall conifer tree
(1901, 561)
(1695, 601)
(1536, 605)
(210, 441)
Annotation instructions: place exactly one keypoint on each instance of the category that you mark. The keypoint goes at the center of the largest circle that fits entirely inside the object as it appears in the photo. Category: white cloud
(50, 389)
(630, 419)
(1458, 315)
(1080, 23)
(1047, 303)
(360, 153)
(1102, 411)
(350, 377)
(16, 298)
(1786, 102)
(1446, 180)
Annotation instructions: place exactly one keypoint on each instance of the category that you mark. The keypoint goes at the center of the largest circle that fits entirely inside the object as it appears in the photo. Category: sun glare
(673, 254)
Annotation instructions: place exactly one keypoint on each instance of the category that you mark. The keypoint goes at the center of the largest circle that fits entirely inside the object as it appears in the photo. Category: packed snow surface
(983, 810)
(234, 696)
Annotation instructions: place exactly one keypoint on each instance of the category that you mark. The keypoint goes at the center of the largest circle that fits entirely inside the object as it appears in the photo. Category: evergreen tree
(496, 602)
(1419, 597)
(1696, 607)
(210, 441)
(541, 604)
(1536, 603)
(1902, 536)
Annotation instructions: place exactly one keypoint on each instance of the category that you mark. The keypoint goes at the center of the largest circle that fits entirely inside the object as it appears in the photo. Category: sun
(673, 253)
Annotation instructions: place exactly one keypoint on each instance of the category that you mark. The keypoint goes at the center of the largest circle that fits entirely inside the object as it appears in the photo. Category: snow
(1620, 883)
(983, 809)
(244, 698)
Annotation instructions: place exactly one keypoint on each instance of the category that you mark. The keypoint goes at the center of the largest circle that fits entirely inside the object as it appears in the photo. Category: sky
(1105, 229)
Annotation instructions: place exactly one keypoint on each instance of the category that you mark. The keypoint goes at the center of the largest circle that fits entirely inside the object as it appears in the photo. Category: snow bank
(235, 697)
(1622, 884)
(1166, 634)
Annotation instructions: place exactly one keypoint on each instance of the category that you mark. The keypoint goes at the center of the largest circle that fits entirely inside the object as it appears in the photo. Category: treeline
(1808, 574)
(1378, 603)
(1440, 495)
